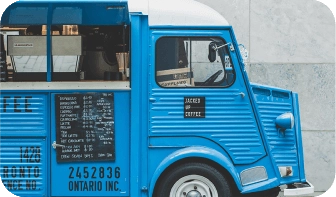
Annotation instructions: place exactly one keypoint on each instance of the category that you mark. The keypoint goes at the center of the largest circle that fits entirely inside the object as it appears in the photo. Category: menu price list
(85, 127)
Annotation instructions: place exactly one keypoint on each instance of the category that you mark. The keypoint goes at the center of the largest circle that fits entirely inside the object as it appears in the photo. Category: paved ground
(315, 194)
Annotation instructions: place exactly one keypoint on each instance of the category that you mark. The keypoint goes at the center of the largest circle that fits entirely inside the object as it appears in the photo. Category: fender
(195, 151)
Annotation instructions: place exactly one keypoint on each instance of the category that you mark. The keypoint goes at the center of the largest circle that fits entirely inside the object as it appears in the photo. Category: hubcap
(194, 193)
(193, 186)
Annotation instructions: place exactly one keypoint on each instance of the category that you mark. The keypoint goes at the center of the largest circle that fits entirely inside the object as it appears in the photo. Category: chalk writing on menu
(85, 127)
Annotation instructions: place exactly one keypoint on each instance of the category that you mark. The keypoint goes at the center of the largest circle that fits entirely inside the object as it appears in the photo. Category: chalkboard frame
(85, 128)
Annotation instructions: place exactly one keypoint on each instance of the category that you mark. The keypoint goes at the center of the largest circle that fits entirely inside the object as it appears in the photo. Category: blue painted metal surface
(272, 102)
(23, 114)
(139, 112)
(23, 166)
(195, 152)
(66, 12)
(228, 122)
(229, 119)
(26, 140)
(50, 64)
(165, 151)
(238, 132)
(299, 145)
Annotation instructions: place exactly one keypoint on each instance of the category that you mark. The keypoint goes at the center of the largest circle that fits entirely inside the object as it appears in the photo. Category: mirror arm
(216, 47)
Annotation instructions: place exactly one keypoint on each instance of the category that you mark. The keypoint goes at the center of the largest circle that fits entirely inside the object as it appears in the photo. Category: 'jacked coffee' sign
(85, 127)
(194, 107)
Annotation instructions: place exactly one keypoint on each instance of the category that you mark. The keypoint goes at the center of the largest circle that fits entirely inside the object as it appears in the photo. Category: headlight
(285, 121)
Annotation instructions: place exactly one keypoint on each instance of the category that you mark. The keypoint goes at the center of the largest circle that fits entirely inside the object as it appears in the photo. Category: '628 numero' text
(94, 172)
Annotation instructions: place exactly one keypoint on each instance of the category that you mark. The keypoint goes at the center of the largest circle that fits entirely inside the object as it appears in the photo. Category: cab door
(197, 90)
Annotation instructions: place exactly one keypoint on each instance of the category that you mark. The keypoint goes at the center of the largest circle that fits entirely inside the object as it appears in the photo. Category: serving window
(193, 62)
(79, 53)
(59, 42)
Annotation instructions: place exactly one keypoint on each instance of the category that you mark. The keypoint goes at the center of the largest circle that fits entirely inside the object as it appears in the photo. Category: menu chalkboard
(85, 127)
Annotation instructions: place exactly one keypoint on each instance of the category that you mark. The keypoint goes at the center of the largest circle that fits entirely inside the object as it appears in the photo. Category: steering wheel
(212, 78)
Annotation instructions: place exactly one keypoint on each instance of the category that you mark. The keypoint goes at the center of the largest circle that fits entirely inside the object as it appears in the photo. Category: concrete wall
(292, 45)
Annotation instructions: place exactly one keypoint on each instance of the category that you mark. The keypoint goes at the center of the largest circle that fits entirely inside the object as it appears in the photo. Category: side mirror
(212, 52)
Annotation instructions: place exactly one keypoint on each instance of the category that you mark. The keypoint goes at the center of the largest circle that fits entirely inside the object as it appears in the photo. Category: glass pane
(173, 62)
(202, 67)
(30, 63)
(65, 63)
(193, 62)
(107, 52)
(26, 52)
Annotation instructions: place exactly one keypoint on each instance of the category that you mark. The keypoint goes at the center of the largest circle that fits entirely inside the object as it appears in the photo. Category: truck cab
(139, 98)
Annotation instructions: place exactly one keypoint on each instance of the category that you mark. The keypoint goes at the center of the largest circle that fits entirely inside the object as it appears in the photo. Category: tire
(193, 180)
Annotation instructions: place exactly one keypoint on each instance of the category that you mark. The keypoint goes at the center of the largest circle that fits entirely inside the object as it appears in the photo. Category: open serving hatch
(81, 43)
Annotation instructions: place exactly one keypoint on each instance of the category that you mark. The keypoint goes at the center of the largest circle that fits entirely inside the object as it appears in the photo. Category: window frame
(216, 84)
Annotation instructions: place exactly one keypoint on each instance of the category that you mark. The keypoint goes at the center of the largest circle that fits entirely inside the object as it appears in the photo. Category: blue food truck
(141, 99)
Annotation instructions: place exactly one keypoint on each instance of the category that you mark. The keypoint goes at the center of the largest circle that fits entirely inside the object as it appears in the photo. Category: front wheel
(193, 180)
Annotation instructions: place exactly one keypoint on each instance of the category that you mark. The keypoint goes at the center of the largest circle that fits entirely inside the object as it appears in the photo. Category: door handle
(242, 94)
(54, 145)
(152, 100)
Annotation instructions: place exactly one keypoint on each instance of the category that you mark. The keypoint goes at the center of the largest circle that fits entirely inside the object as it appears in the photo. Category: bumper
(297, 189)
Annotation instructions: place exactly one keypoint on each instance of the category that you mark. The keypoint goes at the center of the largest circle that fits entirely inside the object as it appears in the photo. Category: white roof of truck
(177, 13)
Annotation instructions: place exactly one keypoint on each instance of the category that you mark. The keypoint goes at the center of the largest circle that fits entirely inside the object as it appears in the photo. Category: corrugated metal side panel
(282, 148)
(23, 114)
(229, 120)
(23, 166)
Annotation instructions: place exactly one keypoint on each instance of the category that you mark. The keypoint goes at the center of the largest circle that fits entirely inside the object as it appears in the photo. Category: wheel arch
(212, 157)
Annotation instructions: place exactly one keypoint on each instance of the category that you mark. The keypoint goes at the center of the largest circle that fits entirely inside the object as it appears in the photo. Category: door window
(193, 62)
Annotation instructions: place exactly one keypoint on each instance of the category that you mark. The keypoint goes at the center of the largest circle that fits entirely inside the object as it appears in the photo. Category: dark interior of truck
(103, 53)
